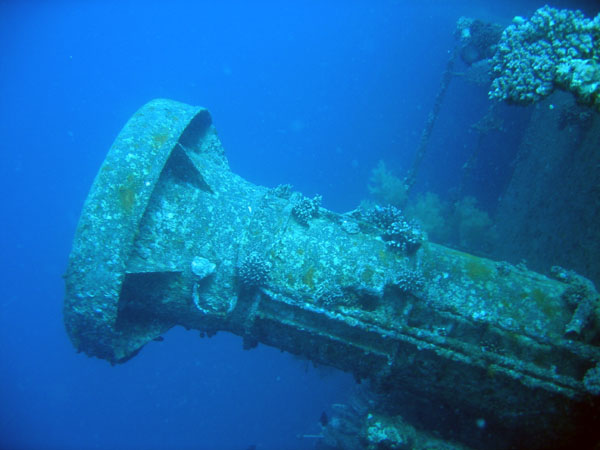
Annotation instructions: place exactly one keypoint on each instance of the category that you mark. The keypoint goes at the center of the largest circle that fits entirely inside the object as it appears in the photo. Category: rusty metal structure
(170, 236)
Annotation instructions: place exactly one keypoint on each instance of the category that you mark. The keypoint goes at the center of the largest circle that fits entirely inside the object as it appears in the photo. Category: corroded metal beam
(170, 236)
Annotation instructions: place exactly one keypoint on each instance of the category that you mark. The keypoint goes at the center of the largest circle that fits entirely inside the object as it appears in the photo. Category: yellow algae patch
(127, 194)
(367, 275)
(159, 139)
(309, 277)
(478, 270)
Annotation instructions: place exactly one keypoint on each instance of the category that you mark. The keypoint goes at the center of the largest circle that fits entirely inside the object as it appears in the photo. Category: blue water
(308, 93)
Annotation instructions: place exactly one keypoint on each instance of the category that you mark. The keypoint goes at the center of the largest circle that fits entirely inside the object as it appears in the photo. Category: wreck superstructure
(170, 236)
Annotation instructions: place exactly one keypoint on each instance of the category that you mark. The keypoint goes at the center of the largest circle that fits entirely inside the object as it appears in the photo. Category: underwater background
(314, 94)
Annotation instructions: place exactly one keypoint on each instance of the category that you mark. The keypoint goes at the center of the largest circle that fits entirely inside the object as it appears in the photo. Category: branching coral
(306, 208)
(397, 232)
(253, 272)
(582, 296)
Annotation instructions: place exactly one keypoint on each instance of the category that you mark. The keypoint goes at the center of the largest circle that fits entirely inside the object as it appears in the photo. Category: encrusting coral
(553, 49)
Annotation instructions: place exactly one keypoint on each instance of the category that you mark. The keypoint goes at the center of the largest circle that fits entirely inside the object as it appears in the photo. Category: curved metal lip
(110, 219)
